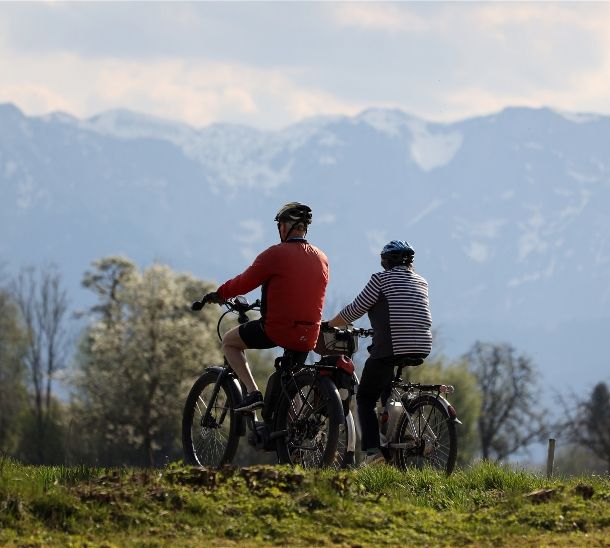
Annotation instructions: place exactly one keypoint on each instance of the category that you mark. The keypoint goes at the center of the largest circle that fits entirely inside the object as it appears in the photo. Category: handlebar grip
(197, 305)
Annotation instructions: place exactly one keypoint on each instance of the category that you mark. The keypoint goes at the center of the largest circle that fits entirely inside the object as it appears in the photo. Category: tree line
(130, 366)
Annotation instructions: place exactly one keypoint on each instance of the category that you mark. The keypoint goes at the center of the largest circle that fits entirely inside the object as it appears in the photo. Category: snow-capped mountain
(509, 214)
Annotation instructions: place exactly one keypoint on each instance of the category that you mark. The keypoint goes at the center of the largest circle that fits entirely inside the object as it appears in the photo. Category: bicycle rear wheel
(311, 417)
(212, 441)
(430, 438)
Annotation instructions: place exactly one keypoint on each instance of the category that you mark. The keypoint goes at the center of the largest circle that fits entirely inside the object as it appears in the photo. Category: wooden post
(550, 459)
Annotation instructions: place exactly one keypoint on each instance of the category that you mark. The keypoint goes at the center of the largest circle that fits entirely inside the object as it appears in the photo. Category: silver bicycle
(418, 425)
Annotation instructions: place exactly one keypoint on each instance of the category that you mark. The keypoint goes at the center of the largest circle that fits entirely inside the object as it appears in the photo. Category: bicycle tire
(311, 415)
(216, 443)
(434, 441)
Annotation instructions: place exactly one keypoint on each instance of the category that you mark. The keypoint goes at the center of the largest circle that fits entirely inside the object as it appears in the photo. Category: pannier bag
(331, 343)
(343, 376)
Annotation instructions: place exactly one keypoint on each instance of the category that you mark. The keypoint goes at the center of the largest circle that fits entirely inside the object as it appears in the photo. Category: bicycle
(418, 424)
(302, 412)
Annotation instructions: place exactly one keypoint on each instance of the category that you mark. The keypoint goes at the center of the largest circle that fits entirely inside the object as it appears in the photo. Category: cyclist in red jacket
(293, 275)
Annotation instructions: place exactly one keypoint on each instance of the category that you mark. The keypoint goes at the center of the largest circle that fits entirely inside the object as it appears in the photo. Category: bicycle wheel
(430, 438)
(212, 441)
(311, 416)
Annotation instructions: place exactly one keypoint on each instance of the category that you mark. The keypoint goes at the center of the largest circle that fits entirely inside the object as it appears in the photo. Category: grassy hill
(484, 505)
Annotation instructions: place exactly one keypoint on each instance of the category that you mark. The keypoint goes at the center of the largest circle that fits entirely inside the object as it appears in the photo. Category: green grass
(484, 505)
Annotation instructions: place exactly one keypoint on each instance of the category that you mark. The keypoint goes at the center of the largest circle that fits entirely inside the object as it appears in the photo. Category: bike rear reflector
(343, 362)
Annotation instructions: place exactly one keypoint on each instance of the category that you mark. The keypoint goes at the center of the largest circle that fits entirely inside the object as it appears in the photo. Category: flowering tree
(139, 356)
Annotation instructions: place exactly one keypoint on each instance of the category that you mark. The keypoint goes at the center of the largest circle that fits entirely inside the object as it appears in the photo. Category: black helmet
(294, 211)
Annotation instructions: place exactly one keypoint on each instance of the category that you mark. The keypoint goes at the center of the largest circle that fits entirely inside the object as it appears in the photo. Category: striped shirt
(398, 308)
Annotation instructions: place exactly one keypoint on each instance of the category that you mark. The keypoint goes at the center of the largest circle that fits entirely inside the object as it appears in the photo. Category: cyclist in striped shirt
(396, 301)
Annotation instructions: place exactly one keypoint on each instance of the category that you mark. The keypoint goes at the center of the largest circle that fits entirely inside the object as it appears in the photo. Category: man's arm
(255, 275)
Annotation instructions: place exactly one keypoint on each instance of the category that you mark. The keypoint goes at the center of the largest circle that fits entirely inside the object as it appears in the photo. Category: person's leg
(234, 350)
(376, 376)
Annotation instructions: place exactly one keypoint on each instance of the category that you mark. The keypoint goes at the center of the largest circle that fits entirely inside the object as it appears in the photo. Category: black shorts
(254, 336)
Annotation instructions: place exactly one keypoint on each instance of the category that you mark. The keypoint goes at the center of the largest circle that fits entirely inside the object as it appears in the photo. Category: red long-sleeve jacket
(293, 275)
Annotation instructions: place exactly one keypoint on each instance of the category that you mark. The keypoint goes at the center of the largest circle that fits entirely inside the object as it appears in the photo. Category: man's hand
(213, 297)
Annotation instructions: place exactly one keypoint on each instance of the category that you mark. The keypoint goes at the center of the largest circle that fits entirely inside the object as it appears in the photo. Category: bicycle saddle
(410, 361)
(291, 358)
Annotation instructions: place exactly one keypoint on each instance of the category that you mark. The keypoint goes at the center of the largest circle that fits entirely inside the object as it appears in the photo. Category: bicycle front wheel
(429, 437)
(210, 439)
(311, 417)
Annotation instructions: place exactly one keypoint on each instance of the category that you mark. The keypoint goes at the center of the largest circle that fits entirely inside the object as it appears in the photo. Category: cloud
(198, 92)
(379, 17)
(269, 65)
(325, 218)
(252, 231)
(376, 239)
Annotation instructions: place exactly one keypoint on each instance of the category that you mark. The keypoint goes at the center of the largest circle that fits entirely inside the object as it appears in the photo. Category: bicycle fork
(205, 420)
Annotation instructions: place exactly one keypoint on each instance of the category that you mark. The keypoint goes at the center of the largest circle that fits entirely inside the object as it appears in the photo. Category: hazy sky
(271, 64)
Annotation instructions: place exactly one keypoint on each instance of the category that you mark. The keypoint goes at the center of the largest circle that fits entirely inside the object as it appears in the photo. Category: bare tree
(43, 305)
(12, 388)
(511, 414)
(589, 425)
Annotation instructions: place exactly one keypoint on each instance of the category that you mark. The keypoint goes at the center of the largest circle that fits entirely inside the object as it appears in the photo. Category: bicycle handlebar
(198, 305)
(238, 304)
(358, 331)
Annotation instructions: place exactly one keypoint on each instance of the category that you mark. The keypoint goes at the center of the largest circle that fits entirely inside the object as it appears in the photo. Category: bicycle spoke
(303, 402)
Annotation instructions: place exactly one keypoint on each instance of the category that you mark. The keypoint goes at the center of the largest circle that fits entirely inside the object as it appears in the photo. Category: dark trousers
(376, 379)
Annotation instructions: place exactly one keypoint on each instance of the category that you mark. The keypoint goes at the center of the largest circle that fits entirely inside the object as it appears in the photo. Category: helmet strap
(289, 232)
(291, 229)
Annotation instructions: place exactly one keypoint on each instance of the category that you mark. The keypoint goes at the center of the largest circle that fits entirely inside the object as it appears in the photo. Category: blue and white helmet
(396, 252)
(397, 248)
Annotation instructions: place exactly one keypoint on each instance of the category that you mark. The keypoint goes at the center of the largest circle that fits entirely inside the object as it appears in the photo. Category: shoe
(252, 401)
(374, 458)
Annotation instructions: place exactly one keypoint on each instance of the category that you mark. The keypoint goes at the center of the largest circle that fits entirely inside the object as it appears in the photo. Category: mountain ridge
(508, 212)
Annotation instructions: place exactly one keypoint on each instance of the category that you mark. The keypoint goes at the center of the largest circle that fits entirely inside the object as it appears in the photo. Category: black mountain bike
(302, 413)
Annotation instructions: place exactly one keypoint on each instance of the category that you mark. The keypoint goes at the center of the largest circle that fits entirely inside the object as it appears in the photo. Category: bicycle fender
(448, 407)
(350, 424)
(236, 394)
